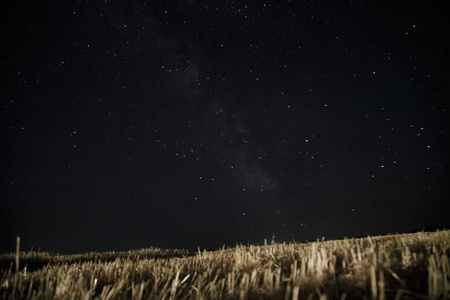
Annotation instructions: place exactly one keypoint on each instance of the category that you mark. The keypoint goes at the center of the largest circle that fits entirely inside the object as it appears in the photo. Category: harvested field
(403, 266)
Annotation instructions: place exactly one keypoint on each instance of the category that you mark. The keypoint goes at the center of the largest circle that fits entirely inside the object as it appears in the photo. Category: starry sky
(185, 124)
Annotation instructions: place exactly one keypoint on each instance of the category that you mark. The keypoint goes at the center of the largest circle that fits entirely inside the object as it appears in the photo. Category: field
(404, 266)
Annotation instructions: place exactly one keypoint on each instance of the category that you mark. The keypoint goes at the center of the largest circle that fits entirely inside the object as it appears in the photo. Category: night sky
(178, 124)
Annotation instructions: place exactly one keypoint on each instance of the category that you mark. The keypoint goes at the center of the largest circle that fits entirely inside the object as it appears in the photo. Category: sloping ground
(407, 266)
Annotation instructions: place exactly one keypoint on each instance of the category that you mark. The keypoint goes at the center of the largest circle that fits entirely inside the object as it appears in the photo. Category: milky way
(200, 123)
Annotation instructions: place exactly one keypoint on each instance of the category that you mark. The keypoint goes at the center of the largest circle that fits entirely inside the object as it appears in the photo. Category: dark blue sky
(179, 124)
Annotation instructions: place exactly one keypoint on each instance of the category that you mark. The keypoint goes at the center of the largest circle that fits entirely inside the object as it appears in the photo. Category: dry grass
(406, 266)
